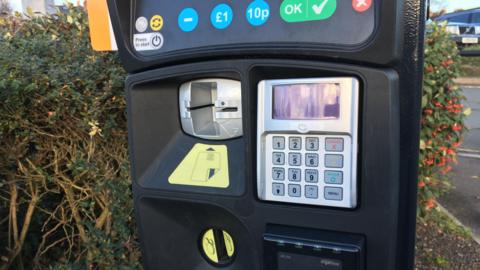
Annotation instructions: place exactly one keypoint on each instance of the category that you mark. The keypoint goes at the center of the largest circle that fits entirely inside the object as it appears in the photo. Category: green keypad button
(307, 10)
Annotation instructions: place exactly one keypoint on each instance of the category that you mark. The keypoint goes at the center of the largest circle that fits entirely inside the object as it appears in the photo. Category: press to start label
(147, 41)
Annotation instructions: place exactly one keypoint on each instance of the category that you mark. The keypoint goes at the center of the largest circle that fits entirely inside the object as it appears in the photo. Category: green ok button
(307, 10)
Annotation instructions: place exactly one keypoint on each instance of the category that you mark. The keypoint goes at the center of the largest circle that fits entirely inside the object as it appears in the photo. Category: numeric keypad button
(294, 190)
(311, 144)
(311, 160)
(311, 192)
(278, 143)
(278, 158)
(294, 175)
(294, 159)
(278, 189)
(278, 174)
(295, 143)
(311, 176)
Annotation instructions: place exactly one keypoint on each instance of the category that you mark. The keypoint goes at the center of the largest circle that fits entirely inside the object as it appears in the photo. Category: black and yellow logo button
(156, 23)
(217, 246)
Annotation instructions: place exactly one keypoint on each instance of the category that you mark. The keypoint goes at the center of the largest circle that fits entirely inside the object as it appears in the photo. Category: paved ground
(464, 200)
(472, 138)
(468, 81)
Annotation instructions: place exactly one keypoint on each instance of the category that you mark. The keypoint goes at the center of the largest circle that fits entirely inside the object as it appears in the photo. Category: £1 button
(221, 16)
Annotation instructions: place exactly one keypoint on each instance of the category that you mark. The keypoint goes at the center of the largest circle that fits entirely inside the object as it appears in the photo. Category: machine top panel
(161, 27)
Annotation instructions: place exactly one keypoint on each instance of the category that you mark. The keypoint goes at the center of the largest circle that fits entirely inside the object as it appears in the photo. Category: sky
(17, 4)
(451, 5)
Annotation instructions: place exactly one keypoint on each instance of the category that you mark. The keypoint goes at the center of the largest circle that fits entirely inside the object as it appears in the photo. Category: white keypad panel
(309, 169)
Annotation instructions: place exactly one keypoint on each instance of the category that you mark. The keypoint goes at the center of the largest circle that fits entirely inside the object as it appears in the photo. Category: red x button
(361, 5)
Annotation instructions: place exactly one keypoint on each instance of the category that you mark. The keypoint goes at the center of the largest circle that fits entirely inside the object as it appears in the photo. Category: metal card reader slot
(211, 108)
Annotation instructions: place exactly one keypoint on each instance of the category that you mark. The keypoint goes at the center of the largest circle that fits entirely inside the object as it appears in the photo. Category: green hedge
(64, 173)
(443, 116)
(65, 199)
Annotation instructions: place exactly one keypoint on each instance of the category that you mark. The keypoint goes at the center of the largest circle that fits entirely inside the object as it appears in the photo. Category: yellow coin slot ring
(217, 247)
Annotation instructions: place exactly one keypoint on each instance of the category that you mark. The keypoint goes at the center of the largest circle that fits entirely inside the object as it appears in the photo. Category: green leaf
(467, 111)
(424, 101)
(423, 145)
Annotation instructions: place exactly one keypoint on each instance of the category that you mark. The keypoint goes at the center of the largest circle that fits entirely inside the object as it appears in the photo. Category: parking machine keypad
(308, 169)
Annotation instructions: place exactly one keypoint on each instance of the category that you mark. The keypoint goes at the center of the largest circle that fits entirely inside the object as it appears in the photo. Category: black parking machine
(273, 134)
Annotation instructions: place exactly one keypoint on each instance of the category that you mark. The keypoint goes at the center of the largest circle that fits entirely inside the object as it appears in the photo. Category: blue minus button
(188, 20)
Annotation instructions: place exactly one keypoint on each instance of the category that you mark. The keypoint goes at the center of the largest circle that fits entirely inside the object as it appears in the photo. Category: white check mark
(319, 8)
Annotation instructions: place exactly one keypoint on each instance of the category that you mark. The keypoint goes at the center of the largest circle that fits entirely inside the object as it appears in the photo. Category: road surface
(464, 199)
(472, 138)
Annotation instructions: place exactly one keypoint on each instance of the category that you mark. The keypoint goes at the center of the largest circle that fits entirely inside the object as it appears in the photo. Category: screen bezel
(344, 124)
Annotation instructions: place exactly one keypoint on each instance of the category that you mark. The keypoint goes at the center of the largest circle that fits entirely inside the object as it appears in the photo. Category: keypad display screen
(160, 27)
(315, 101)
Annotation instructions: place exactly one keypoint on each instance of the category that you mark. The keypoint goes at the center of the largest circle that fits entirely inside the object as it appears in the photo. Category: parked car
(464, 26)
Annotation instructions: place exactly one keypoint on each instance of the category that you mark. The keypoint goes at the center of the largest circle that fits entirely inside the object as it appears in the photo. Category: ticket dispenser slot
(289, 248)
(307, 141)
(211, 108)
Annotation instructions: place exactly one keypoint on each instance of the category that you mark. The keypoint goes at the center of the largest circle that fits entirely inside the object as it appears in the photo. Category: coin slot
(217, 247)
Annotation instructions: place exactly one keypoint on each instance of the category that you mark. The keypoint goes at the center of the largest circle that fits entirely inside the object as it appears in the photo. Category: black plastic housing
(170, 214)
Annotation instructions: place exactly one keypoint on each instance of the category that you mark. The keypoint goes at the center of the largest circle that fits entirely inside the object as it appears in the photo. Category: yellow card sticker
(205, 166)
(156, 23)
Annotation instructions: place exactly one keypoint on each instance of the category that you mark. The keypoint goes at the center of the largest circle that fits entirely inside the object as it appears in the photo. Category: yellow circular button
(156, 23)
